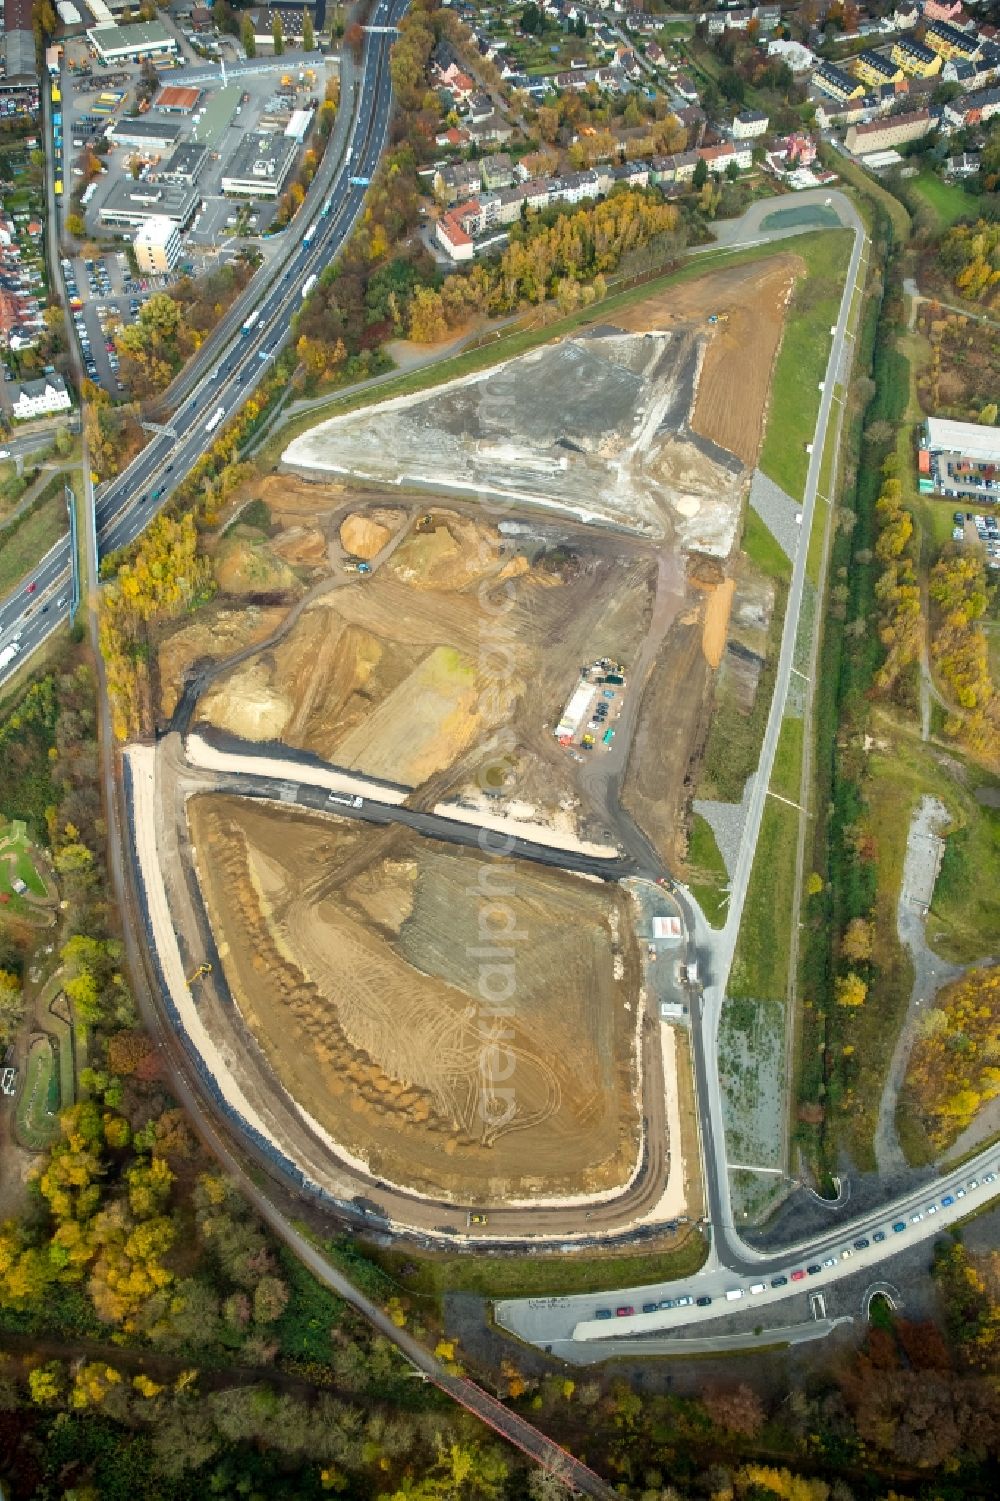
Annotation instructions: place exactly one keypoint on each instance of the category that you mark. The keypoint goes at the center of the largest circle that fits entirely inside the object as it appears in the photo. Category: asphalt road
(125, 506)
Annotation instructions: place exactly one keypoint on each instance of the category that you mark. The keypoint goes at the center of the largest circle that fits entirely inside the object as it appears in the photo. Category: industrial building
(215, 116)
(185, 164)
(960, 459)
(130, 204)
(116, 44)
(177, 101)
(157, 246)
(145, 133)
(259, 167)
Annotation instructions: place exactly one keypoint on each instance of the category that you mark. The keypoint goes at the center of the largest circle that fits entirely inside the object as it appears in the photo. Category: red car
(31, 589)
(798, 1276)
(624, 1311)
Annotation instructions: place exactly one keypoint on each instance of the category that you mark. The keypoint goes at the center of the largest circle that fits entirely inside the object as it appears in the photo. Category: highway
(126, 505)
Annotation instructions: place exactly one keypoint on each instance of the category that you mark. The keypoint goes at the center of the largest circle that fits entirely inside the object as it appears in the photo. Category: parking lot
(104, 295)
(977, 526)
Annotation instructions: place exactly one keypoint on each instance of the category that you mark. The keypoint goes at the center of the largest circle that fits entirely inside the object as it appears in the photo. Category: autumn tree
(247, 36)
(11, 1005)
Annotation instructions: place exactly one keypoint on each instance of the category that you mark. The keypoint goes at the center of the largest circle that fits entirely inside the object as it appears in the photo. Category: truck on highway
(8, 654)
(308, 285)
(346, 800)
(307, 238)
(215, 419)
(248, 323)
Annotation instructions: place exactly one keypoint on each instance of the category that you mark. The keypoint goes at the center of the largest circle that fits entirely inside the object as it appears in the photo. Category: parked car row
(782, 1279)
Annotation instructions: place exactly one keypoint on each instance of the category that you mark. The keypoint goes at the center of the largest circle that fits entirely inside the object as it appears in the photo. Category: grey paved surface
(777, 510)
(924, 849)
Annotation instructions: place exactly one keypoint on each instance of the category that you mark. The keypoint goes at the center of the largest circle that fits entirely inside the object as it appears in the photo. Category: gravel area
(726, 821)
(924, 850)
(778, 511)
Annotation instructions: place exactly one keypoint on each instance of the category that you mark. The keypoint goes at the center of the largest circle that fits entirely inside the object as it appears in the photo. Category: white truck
(308, 285)
(248, 323)
(215, 419)
(346, 800)
(7, 654)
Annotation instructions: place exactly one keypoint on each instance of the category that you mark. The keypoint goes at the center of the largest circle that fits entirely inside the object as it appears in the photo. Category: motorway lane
(124, 507)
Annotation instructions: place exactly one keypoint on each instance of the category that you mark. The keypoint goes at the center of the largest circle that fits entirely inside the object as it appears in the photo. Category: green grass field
(708, 877)
(947, 200)
(541, 1274)
(17, 862)
(38, 1104)
(786, 776)
(25, 542)
(760, 965)
(802, 360)
(761, 548)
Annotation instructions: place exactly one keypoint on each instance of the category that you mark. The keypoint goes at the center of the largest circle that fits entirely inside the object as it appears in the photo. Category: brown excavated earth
(751, 302)
(356, 958)
(214, 633)
(362, 536)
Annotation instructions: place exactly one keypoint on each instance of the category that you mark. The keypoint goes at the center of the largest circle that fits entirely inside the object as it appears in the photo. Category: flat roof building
(147, 134)
(131, 203)
(216, 116)
(259, 167)
(962, 458)
(185, 163)
(143, 39)
(157, 246)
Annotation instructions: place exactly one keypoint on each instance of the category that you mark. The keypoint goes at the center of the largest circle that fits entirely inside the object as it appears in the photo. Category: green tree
(308, 38)
(278, 36)
(11, 1005)
(700, 173)
(247, 36)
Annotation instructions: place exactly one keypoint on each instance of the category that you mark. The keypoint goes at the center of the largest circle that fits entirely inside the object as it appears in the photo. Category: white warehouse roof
(68, 14)
(971, 439)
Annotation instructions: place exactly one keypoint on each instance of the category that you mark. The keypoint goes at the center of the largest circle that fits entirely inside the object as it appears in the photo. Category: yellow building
(916, 60)
(836, 83)
(949, 42)
(874, 69)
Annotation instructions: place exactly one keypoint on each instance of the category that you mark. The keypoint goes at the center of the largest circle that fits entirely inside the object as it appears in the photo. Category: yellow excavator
(203, 969)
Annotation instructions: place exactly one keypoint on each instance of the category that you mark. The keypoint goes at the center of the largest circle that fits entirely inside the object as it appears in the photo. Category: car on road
(862, 1244)
(989, 1177)
(878, 1237)
(625, 1311)
(812, 1270)
(916, 1217)
(666, 1305)
(973, 1183)
(758, 1287)
(959, 1193)
(649, 1307)
(685, 1301)
(779, 1281)
(828, 1261)
(932, 1209)
(948, 1199)
(31, 587)
(474, 1219)
(899, 1226)
(798, 1276)
(704, 1301)
(846, 1253)
(603, 1313)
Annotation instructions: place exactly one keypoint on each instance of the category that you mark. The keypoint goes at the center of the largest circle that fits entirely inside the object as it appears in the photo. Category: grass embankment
(947, 201)
(760, 964)
(732, 749)
(540, 1275)
(761, 548)
(802, 360)
(786, 774)
(26, 541)
(707, 875)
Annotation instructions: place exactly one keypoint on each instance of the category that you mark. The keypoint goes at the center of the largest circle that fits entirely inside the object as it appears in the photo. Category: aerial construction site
(428, 755)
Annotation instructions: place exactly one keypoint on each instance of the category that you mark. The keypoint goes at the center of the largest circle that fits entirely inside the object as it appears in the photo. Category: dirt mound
(713, 636)
(749, 302)
(363, 537)
(302, 547)
(246, 563)
(354, 956)
(214, 634)
(446, 551)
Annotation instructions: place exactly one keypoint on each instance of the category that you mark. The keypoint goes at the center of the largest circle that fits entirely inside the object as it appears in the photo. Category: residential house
(916, 60)
(832, 112)
(455, 137)
(942, 10)
(456, 182)
(749, 125)
(480, 107)
(497, 171)
(886, 135)
(793, 54)
(40, 398)
(655, 55)
(679, 168)
(977, 107)
(687, 88)
(874, 69)
(800, 150)
(906, 15)
(768, 18)
(453, 239)
(836, 83)
(966, 164)
(952, 43)
(718, 158)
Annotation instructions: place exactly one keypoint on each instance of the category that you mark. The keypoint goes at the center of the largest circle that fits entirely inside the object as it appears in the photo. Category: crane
(203, 969)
